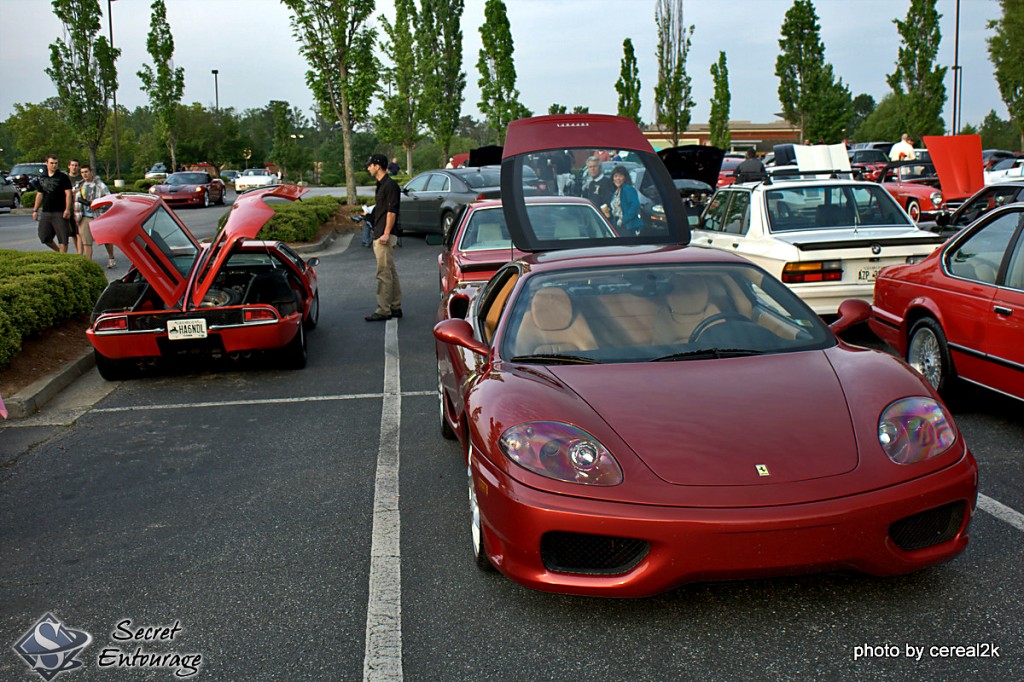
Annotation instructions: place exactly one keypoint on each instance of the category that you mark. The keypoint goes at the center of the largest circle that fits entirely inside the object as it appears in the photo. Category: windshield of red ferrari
(644, 313)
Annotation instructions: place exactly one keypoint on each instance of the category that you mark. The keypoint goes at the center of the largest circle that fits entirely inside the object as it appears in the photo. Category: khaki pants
(389, 291)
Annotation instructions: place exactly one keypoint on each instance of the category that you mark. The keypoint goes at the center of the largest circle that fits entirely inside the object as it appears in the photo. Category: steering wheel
(713, 319)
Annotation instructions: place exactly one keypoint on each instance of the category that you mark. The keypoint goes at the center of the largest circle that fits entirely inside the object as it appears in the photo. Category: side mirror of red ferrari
(851, 311)
(459, 333)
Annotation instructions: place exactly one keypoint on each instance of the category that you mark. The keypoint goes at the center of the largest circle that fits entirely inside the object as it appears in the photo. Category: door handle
(1002, 310)
(710, 240)
(735, 245)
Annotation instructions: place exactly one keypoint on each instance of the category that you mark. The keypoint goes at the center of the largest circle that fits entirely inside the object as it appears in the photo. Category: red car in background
(480, 243)
(727, 173)
(190, 188)
(869, 162)
(959, 314)
(233, 297)
(915, 186)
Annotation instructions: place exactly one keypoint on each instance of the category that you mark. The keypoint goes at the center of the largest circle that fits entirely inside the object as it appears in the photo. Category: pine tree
(399, 119)
(499, 96)
(628, 85)
(917, 82)
(439, 45)
(162, 83)
(1006, 50)
(718, 121)
(673, 97)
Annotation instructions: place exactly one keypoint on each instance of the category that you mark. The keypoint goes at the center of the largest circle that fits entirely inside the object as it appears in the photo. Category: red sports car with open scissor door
(636, 414)
(232, 297)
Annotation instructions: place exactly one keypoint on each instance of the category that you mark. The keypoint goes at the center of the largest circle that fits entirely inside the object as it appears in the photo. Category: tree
(885, 122)
(863, 105)
(628, 85)
(163, 83)
(83, 69)
(339, 47)
(917, 82)
(810, 96)
(556, 109)
(399, 119)
(1006, 50)
(673, 98)
(499, 96)
(41, 129)
(439, 42)
(718, 121)
(999, 134)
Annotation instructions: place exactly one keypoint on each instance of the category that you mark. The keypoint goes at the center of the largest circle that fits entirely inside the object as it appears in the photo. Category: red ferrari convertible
(635, 414)
(959, 314)
(233, 297)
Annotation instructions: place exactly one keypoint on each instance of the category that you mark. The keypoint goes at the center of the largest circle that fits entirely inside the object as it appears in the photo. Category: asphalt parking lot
(312, 525)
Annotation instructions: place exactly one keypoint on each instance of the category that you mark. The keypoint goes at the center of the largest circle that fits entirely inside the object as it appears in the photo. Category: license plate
(867, 274)
(178, 330)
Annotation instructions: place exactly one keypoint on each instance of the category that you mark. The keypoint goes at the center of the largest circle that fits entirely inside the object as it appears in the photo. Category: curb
(30, 399)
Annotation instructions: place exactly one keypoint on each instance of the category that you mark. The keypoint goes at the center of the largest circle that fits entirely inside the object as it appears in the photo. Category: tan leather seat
(489, 234)
(686, 306)
(552, 325)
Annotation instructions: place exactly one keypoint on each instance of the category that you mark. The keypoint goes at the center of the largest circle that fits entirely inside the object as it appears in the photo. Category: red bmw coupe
(959, 314)
(635, 414)
(233, 297)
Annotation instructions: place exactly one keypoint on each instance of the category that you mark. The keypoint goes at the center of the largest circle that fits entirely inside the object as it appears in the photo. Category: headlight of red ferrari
(198, 189)
(562, 452)
(914, 430)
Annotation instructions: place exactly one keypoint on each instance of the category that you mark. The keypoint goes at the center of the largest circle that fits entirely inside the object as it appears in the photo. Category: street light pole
(216, 90)
(117, 146)
(957, 76)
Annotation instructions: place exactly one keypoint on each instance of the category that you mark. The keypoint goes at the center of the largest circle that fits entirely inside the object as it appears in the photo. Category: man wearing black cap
(385, 225)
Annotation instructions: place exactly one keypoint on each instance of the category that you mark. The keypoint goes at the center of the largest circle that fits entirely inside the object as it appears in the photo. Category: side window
(493, 302)
(714, 216)
(737, 218)
(1015, 271)
(437, 183)
(979, 257)
(417, 184)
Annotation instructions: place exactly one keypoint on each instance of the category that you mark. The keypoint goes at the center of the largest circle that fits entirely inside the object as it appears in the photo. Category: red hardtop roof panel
(596, 131)
(957, 160)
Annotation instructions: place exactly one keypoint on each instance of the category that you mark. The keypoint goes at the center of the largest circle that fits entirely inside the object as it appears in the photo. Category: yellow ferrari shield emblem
(762, 470)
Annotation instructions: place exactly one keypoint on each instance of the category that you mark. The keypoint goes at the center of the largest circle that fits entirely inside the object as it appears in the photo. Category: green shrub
(39, 290)
(29, 198)
(295, 221)
(144, 184)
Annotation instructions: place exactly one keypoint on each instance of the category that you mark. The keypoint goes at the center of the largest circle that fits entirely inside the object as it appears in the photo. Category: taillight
(259, 315)
(481, 196)
(112, 324)
(812, 271)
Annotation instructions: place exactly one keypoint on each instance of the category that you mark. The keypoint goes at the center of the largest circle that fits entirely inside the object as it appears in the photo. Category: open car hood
(660, 219)
(957, 160)
(693, 162)
(247, 217)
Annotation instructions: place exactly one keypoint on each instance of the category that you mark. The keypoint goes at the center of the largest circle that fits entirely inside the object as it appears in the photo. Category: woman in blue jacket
(625, 203)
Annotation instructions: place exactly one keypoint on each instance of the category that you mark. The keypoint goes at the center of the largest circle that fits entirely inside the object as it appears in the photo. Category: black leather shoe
(396, 312)
(377, 317)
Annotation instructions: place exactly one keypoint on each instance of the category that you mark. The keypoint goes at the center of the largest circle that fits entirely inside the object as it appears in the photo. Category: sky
(567, 52)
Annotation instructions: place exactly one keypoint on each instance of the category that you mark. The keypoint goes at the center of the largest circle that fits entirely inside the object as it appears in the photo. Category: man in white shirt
(903, 150)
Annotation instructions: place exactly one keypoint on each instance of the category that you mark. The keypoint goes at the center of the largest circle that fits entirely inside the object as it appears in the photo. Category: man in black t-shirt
(385, 238)
(53, 206)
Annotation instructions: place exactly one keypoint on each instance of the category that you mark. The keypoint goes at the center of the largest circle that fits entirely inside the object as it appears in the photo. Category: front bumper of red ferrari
(183, 198)
(682, 545)
(226, 338)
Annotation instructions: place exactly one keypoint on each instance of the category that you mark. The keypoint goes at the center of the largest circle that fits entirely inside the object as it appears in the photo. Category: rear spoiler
(853, 243)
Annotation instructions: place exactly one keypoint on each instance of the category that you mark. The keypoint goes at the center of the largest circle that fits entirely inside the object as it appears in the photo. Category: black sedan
(24, 174)
(432, 199)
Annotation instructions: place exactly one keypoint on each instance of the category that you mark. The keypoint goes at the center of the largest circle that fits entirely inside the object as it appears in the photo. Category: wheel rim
(446, 223)
(474, 510)
(206, 199)
(914, 210)
(924, 356)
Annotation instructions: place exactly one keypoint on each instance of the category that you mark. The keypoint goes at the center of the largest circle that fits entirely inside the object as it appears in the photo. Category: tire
(17, 202)
(442, 407)
(293, 356)
(914, 210)
(313, 318)
(206, 199)
(447, 221)
(928, 353)
(220, 201)
(476, 527)
(113, 370)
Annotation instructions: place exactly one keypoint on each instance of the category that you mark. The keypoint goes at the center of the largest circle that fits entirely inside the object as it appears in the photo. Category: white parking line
(1001, 511)
(262, 401)
(383, 655)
